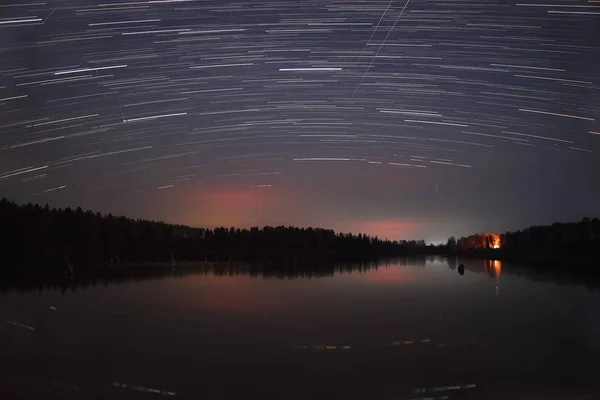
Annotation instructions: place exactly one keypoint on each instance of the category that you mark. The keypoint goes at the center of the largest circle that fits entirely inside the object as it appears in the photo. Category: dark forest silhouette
(36, 239)
(570, 246)
(46, 243)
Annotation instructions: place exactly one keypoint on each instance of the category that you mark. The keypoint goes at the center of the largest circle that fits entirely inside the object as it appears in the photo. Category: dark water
(406, 331)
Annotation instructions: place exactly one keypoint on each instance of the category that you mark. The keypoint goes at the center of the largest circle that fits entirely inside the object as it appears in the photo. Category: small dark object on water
(68, 271)
(461, 269)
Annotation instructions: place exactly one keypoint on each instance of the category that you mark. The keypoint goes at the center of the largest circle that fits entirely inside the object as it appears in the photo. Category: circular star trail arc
(136, 97)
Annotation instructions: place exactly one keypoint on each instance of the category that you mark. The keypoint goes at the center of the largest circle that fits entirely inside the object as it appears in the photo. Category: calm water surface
(408, 330)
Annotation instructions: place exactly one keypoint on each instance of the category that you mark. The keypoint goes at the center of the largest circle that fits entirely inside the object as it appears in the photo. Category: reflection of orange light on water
(493, 267)
(497, 268)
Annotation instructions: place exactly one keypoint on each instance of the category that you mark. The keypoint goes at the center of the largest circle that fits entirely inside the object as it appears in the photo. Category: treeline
(37, 237)
(46, 241)
(559, 243)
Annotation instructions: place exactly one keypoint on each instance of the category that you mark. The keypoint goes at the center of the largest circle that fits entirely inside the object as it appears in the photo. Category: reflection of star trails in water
(31, 328)
(143, 389)
(395, 343)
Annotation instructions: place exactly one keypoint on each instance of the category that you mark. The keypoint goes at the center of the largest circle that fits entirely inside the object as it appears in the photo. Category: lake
(408, 329)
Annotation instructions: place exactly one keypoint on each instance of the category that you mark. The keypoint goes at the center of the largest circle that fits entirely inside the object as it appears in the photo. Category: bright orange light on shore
(493, 240)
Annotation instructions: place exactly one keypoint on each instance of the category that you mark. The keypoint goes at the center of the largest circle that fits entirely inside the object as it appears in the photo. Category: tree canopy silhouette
(35, 237)
(570, 246)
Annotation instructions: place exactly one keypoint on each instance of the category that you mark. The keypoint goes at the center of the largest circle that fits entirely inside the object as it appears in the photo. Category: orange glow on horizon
(392, 229)
(212, 207)
(239, 207)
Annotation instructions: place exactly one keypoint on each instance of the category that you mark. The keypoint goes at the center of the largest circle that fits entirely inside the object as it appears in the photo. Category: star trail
(403, 119)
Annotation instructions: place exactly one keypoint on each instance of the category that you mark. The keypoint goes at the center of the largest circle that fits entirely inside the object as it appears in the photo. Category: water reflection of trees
(107, 275)
(495, 268)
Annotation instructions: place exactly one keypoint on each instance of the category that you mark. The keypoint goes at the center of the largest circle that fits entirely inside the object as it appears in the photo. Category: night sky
(407, 120)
